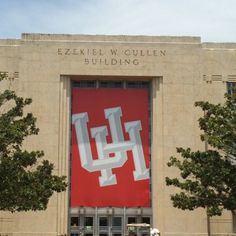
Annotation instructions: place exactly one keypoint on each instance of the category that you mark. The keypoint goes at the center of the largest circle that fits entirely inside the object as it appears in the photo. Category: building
(111, 111)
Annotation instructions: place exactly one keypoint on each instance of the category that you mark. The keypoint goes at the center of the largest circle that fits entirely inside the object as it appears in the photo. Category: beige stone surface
(182, 70)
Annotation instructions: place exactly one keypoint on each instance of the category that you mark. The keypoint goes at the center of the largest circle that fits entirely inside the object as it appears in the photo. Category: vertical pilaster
(157, 162)
(63, 153)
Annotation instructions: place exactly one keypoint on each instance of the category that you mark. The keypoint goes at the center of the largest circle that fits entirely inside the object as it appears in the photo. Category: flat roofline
(118, 38)
(220, 45)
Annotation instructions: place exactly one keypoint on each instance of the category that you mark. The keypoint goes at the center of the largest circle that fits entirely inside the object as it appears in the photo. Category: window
(74, 221)
(85, 84)
(110, 84)
(103, 223)
(137, 84)
(88, 223)
(146, 220)
(116, 223)
(231, 87)
(132, 220)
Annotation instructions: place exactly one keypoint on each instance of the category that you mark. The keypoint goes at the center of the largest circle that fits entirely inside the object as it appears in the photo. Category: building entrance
(110, 161)
(109, 221)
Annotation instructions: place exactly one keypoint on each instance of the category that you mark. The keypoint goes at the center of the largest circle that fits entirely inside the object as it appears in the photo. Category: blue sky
(212, 20)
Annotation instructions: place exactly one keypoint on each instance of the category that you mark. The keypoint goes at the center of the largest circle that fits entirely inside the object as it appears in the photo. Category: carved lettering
(101, 52)
(142, 53)
(163, 52)
(127, 52)
(67, 51)
(149, 53)
(86, 61)
(59, 51)
(155, 53)
(135, 53)
(99, 56)
(127, 62)
(94, 52)
(135, 62)
(113, 52)
(81, 51)
(75, 52)
(105, 62)
(111, 61)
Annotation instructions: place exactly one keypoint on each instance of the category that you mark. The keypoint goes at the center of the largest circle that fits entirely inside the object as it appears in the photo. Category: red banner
(110, 148)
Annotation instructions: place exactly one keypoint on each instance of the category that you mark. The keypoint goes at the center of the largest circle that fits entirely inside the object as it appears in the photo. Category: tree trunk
(208, 224)
(233, 221)
(208, 217)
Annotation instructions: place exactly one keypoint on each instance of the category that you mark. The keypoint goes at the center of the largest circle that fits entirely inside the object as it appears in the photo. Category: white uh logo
(119, 146)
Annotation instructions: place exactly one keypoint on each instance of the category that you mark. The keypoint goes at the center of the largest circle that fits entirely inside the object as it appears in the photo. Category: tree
(208, 178)
(26, 181)
(219, 125)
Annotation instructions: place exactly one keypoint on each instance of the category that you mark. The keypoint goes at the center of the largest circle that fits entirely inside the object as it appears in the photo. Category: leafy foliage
(208, 179)
(219, 125)
(25, 182)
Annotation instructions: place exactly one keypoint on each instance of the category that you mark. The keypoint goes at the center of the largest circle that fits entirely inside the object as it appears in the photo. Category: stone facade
(182, 70)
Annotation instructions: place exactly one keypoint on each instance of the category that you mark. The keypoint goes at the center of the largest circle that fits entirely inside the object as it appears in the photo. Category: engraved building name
(112, 56)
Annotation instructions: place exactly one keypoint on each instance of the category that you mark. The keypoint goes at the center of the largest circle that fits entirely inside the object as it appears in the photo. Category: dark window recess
(74, 234)
(74, 221)
(85, 84)
(103, 221)
(88, 221)
(146, 220)
(110, 84)
(231, 87)
(132, 220)
(137, 84)
(116, 221)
